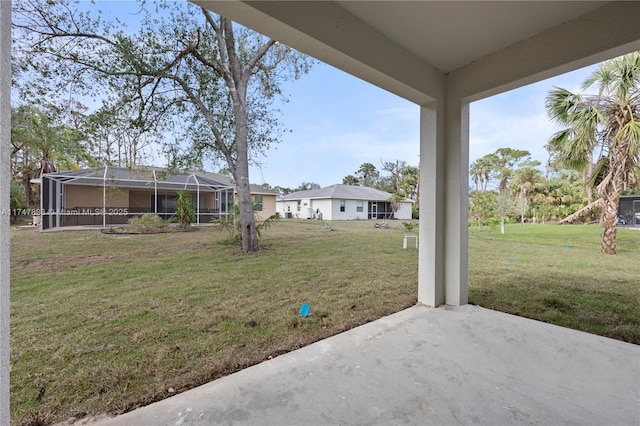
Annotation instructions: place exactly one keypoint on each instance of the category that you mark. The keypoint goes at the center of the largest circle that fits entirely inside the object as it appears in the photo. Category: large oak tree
(179, 67)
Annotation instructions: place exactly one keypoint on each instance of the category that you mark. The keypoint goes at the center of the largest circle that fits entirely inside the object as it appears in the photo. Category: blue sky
(338, 122)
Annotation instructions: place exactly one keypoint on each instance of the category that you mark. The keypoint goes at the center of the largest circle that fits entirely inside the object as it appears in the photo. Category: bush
(185, 213)
(415, 211)
(408, 226)
(148, 223)
(231, 224)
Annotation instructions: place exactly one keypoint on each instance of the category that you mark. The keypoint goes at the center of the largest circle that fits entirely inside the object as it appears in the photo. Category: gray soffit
(411, 47)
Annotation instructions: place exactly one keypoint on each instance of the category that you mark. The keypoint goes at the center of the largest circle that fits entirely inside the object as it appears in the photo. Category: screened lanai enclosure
(629, 211)
(106, 196)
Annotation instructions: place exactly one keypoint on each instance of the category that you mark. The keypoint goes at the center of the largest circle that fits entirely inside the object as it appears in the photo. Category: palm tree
(481, 171)
(526, 181)
(607, 123)
(350, 180)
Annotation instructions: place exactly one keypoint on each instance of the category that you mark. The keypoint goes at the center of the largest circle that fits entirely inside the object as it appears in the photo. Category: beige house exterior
(264, 200)
(107, 196)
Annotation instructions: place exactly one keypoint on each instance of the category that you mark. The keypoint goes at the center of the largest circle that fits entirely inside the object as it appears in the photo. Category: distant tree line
(401, 178)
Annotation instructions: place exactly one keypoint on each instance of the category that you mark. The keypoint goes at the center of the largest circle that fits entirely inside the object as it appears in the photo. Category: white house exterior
(342, 202)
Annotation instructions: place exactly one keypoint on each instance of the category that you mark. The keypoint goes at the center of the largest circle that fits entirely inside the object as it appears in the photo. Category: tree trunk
(582, 212)
(26, 188)
(609, 222)
(585, 177)
(610, 190)
(609, 228)
(249, 236)
(26, 178)
(502, 225)
(248, 233)
(611, 187)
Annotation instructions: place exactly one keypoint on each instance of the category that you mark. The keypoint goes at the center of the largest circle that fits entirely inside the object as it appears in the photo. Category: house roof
(144, 176)
(342, 192)
(137, 177)
(255, 189)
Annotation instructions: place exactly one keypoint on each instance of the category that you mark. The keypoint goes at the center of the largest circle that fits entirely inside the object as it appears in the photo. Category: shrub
(231, 224)
(148, 223)
(185, 213)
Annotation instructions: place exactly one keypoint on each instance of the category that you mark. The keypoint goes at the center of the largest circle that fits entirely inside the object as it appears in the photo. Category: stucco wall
(142, 200)
(293, 208)
(268, 207)
(325, 208)
(404, 212)
(91, 196)
(350, 212)
(324, 205)
(284, 207)
(330, 209)
(139, 201)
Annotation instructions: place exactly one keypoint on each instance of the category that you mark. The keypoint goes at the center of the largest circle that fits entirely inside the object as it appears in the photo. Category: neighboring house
(629, 210)
(264, 200)
(342, 202)
(112, 195)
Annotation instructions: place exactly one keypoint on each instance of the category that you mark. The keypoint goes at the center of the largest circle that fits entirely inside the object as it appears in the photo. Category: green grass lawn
(106, 323)
(557, 274)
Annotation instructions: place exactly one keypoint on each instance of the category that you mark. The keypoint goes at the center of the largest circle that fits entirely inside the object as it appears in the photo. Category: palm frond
(561, 104)
(618, 78)
(267, 223)
(630, 132)
(571, 150)
(600, 170)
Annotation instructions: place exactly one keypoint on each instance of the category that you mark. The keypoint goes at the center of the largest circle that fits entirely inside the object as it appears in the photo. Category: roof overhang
(137, 178)
(411, 47)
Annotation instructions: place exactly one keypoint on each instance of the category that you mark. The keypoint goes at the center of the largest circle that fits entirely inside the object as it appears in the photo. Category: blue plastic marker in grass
(304, 309)
(511, 260)
(567, 246)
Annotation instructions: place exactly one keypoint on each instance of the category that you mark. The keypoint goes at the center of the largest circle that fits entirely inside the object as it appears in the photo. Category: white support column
(155, 194)
(57, 190)
(444, 148)
(431, 254)
(104, 198)
(197, 199)
(456, 202)
(5, 179)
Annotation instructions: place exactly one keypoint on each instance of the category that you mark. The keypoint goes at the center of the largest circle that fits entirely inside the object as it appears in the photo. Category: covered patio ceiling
(402, 45)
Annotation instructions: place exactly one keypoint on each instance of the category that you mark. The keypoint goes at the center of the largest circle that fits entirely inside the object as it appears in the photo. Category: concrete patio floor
(442, 366)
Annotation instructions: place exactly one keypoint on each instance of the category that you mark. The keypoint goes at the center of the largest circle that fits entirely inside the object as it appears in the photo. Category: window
(299, 202)
(342, 205)
(166, 203)
(257, 203)
(359, 207)
(195, 204)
